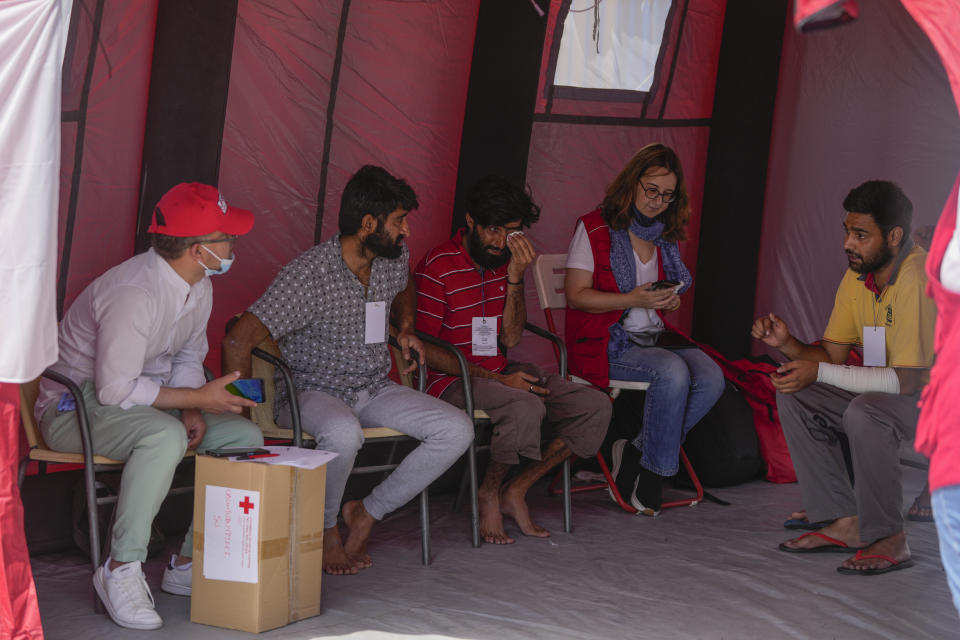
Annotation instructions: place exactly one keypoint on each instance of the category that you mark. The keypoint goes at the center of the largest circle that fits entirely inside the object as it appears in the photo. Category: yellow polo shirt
(903, 308)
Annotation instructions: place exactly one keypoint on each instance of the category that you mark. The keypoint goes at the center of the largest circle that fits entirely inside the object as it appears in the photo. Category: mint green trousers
(152, 443)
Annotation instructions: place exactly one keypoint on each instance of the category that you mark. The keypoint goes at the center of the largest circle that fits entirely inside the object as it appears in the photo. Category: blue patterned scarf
(623, 264)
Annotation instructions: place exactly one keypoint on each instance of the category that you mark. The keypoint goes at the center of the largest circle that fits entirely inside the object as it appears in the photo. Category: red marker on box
(253, 456)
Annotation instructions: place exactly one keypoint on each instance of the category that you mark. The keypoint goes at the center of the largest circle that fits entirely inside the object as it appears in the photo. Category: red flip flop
(894, 565)
(835, 546)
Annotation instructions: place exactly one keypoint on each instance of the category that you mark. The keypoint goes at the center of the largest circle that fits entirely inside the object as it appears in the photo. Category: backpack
(723, 447)
(753, 380)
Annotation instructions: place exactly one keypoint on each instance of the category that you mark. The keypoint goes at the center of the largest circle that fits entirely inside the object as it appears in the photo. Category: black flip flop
(894, 565)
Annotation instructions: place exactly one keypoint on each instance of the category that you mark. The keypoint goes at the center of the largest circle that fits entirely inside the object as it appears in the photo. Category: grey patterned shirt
(316, 311)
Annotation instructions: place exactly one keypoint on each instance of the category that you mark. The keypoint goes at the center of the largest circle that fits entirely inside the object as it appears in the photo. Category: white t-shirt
(950, 267)
(580, 256)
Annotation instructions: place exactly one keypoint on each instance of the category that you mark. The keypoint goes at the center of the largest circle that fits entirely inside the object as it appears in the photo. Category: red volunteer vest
(587, 334)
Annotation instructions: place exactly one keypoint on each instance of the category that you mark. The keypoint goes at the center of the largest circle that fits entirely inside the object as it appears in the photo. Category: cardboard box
(262, 526)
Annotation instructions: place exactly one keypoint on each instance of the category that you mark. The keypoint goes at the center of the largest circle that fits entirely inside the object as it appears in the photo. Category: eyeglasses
(653, 192)
(231, 239)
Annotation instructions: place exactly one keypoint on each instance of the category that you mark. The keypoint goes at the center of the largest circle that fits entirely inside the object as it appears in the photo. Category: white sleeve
(950, 267)
(187, 365)
(124, 319)
(580, 254)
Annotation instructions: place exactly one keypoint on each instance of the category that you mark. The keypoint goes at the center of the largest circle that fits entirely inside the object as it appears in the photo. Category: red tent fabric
(33, 34)
(19, 615)
(400, 94)
(579, 145)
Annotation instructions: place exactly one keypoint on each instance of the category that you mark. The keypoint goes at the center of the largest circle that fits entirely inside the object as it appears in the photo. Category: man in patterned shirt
(470, 293)
(328, 310)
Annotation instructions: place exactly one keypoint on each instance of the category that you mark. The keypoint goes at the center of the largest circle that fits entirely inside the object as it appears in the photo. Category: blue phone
(249, 388)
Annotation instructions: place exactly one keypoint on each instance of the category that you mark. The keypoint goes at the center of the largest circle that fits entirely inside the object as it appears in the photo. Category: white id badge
(874, 346)
(376, 325)
(484, 336)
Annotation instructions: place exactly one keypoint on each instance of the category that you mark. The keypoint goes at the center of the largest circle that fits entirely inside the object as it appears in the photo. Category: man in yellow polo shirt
(881, 309)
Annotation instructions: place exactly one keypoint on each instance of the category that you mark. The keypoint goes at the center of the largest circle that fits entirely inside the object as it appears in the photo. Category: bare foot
(512, 504)
(843, 530)
(359, 522)
(894, 547)
(335, 560)
(491, 521)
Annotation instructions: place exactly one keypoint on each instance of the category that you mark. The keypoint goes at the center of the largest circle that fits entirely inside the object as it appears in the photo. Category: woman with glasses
(623, 272)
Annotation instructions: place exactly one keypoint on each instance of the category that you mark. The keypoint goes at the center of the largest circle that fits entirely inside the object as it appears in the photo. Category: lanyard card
(375, 330)
(874, 346)
(484, 336)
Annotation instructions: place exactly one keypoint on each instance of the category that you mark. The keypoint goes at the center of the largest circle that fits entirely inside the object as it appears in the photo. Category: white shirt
(136, 328)
(580, 256)
(950, 266)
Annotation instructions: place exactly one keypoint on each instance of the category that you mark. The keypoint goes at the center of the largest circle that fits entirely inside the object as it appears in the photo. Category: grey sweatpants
(577, 413)
(874, 424)
(443, 431)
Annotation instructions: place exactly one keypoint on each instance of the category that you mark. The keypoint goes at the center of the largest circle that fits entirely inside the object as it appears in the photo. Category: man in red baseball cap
(191, 209)
(135, 341)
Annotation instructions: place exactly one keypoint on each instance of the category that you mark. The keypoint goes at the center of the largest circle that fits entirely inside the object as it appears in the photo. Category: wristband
(859, 379)
(515, 283)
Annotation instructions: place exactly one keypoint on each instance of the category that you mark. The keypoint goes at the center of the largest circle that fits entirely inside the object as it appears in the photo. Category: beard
(878, 261)
(382, 245)
(487, 256)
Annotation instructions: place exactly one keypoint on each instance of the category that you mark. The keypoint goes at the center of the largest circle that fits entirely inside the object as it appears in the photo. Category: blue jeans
(946, 510)
(684, 385)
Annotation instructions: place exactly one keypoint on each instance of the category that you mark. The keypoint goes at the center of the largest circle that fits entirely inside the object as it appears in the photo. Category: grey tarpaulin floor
(707, 572)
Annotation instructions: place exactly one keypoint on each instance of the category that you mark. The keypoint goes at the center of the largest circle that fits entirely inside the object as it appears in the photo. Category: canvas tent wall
(868, 100)
(314, 89)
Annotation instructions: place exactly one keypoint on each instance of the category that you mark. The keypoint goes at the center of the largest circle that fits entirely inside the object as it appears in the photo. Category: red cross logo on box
(246, 505)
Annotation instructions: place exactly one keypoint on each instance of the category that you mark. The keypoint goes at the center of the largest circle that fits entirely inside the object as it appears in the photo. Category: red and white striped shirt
(451, 291)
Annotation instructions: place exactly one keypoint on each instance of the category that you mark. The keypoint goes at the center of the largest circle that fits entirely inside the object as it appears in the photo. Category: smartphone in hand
(664, 284)
(249, 388)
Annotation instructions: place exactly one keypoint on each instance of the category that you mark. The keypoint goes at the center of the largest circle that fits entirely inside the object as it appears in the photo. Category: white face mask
(224, 264)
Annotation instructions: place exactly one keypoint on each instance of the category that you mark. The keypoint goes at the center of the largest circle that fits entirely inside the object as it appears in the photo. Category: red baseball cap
(193, 209)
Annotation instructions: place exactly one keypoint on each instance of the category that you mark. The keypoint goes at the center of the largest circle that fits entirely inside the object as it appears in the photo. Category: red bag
(753, 378)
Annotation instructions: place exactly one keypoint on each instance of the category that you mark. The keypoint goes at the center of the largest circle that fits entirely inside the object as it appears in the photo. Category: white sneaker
(178, 580)
(616, 459)
(125, 594)
(636, 504)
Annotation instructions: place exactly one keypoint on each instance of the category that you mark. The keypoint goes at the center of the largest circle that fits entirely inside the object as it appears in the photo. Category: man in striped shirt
(470, 293)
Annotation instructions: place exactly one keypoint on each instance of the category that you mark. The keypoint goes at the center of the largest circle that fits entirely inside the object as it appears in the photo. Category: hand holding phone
(249, 388)
(664, 284)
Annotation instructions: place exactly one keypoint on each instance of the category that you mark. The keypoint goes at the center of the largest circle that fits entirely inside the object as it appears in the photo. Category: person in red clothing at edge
(938, 431)
(881, 308)
(613, 323)
(470, 293)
